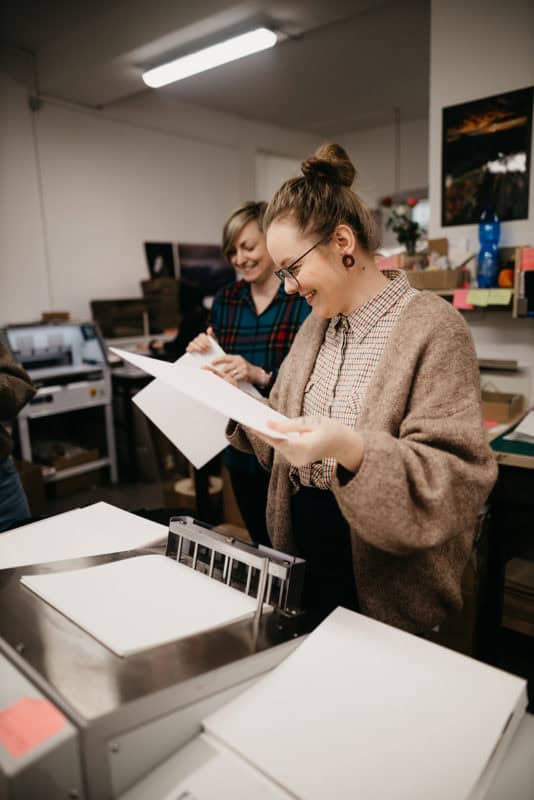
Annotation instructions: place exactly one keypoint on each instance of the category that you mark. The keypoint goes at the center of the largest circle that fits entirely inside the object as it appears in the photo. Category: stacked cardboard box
(31, 477)
(501, 406)
(518, 609)
(161, 296)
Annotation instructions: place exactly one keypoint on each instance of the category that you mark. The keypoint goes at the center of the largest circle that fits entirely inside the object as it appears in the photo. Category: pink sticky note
(28, 723)
(527, 259)
(388, 262)
(491, 423)
(459, 299)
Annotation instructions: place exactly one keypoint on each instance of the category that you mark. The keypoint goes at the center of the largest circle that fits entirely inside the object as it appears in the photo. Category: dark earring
(348, 260)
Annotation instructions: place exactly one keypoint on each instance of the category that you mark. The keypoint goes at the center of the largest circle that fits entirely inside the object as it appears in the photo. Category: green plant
(401, 223)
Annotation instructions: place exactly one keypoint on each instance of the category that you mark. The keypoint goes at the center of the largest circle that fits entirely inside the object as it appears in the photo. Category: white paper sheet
(195, 422)
(226, 776)
(141, 602)
(361, 709)
(195, 430)
(524, 431)
(168, 409)
(200, 360)
(92, 531)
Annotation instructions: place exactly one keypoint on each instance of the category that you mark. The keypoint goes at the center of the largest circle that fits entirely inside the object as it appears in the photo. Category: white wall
(272, 171)
(81, 190)
(23, 273)
(478, 49)
(373, 154)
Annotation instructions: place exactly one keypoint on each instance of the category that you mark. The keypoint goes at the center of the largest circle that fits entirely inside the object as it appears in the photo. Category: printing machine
(67, 363)
(124, 716)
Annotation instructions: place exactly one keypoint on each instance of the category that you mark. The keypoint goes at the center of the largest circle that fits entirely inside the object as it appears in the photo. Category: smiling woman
(255, 322)
(381, 491)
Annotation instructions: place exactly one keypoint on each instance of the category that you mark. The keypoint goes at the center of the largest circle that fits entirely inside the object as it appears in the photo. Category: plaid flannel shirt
(263, 340)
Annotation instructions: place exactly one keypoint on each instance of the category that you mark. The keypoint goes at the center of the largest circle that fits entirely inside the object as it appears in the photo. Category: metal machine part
(274, 578)
(132, 713)
(68, 365)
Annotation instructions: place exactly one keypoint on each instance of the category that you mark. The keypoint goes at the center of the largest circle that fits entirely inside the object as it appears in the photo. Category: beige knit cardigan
(427, 469)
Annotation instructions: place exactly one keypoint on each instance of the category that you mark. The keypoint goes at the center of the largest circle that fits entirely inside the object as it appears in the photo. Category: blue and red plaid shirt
(263, 340)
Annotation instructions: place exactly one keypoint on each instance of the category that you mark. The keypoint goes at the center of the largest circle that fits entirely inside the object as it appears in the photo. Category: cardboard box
(31, 477)
(440, 246)
(73, 457)
(76, 483)
(232, 515)
(501, 406)
(160, 287)
(181, 494)
(436, 279)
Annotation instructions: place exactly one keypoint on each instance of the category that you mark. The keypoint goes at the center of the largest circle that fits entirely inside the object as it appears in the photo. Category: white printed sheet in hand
(191, 406)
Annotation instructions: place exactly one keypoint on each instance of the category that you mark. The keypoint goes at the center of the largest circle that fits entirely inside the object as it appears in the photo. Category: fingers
(298, 425)
(234, 366)
(209, 332)
(200, 344)
(224, 375)
(223, 360)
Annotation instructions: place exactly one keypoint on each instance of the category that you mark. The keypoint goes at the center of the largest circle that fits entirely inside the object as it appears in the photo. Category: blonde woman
(255, 322)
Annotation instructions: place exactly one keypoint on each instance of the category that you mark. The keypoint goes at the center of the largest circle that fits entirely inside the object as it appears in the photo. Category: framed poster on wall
(486, 158)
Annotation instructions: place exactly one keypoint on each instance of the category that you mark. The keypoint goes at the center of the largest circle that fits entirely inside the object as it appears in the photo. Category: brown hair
(321, 199)
(248, 212)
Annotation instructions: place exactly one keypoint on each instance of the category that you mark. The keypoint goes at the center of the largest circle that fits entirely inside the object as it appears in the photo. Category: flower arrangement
(400, 221)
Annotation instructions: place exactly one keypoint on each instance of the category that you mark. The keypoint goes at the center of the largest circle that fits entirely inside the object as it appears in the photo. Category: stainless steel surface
(90, 679)
(108, 697)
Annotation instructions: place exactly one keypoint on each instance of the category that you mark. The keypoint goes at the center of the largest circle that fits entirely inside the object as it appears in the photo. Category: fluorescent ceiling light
(209, 57)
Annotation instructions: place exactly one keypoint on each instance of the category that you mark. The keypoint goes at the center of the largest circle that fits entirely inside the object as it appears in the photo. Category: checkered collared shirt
(345, 364)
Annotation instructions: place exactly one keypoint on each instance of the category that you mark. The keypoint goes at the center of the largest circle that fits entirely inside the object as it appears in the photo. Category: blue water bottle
(489, 231)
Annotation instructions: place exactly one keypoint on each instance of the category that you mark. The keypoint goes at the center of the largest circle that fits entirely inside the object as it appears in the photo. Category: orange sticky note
(459, 299)
(28, 723)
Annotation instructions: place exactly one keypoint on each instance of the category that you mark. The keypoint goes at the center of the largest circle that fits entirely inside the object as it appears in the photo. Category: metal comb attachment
(272, 577)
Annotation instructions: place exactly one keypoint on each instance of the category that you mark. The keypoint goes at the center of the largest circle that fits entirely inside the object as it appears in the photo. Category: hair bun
(331, 164)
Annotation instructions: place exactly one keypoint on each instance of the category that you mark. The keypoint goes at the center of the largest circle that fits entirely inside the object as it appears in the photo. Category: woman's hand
(238, 369)
(224, 375)
(319, 438)
(202, 342)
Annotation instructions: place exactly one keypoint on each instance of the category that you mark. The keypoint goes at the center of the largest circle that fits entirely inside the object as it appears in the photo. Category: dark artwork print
(486, 158)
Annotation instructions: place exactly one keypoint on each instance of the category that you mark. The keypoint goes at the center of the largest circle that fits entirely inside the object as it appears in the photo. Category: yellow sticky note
(478, 297)
(499, 297)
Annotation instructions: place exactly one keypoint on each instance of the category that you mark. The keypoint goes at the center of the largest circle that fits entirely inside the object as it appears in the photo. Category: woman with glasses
(255, 322)
(387, 468)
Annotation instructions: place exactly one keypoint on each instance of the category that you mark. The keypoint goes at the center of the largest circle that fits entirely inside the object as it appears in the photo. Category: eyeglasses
(287, 274)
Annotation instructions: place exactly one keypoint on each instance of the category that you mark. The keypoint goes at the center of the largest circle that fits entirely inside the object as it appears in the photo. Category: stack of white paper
(96, 530)
(362, 710)
(191, 406)
(141, 602)
(524, 431)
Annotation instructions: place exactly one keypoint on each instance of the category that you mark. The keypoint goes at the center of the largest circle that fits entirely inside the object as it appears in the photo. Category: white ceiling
(345, 64)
